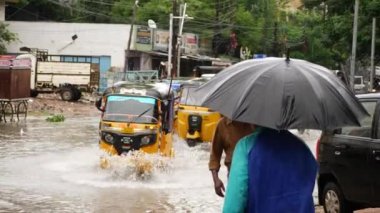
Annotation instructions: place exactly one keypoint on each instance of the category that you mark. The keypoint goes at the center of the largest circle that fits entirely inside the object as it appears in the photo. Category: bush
(55, 118)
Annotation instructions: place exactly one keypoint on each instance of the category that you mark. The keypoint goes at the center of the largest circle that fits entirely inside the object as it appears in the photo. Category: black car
(349, 176)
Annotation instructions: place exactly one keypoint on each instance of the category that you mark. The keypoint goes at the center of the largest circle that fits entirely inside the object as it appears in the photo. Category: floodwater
(54, 167)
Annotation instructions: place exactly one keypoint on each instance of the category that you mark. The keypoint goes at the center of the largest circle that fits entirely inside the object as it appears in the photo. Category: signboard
(143, 35)
(142, 38)
(161, 40)
(190, 43)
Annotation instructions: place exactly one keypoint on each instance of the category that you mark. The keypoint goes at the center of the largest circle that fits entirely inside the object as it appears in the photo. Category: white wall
(93, 39)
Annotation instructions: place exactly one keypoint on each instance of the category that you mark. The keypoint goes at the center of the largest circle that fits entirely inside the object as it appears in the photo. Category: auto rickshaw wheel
(191, 142)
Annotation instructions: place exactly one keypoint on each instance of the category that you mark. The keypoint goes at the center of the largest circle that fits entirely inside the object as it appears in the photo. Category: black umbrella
(282, 94)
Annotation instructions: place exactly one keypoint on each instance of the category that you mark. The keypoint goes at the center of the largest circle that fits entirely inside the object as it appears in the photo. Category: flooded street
(54, 167)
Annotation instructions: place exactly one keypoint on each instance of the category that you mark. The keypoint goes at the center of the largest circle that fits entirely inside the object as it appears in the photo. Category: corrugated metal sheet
(63, 68)
(61, 79)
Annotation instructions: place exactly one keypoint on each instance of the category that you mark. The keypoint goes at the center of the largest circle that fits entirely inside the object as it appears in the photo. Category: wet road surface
(54, 167)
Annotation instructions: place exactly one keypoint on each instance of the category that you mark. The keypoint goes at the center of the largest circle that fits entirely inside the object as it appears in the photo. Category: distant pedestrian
(227, 134)
(162, 70)
(272, 171)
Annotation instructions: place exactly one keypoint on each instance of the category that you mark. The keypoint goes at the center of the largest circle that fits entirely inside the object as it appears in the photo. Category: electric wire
(18, 10)
(29, 12)
(86, 11)
(205, 23)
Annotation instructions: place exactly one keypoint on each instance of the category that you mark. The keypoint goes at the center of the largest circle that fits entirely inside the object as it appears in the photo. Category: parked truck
(69, 79)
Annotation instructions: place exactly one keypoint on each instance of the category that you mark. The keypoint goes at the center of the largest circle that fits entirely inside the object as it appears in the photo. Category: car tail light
(317, 148)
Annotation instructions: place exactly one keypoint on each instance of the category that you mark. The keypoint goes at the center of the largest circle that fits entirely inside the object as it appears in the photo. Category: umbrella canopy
(282, 94)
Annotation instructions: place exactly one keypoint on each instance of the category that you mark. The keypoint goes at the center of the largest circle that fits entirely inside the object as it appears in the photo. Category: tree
(320, 32)
(5, 37)
(35, 10)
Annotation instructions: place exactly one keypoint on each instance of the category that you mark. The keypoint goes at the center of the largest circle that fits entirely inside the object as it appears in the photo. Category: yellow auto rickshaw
(194, 123)
(136, 117)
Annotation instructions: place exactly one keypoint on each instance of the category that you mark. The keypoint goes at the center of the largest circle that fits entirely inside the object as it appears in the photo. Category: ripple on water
(59, 170)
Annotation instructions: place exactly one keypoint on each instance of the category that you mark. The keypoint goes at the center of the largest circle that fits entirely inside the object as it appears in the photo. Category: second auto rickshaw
(193, 122)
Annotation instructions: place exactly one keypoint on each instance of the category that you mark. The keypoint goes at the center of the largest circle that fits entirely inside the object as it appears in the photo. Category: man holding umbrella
(272, 170)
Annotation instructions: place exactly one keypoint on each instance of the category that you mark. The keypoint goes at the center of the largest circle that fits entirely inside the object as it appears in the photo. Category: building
(105, 44)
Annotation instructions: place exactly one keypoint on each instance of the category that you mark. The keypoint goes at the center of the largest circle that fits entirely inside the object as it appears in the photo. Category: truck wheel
(333, 200)
(77, 94)
(33, 93)
(67, 94)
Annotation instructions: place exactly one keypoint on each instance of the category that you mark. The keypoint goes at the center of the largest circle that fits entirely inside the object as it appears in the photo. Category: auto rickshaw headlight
(109, 138)
(146, 140)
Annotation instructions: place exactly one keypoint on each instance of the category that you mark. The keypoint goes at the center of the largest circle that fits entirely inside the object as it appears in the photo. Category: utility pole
(126, 60)
(354, 41)
(174, 40)
(169, 66)
(179, 38)
(373, 52)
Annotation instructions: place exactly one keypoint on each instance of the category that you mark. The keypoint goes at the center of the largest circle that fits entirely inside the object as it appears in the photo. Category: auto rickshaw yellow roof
(157, 90)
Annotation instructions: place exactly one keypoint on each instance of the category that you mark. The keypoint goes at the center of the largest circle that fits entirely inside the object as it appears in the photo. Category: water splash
(136, 165)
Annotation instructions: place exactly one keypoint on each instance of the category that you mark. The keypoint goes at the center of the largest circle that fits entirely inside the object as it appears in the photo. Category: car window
(365, 129)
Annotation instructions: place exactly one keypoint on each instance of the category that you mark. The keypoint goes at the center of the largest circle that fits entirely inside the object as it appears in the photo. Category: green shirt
(237, 189)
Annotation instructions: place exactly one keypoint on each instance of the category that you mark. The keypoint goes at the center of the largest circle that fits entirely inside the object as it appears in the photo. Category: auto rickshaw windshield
(132, 109)
(187, 96)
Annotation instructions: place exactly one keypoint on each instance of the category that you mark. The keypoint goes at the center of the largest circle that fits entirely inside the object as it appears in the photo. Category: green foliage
(55, 118)
(5, 37)
(320, 32)
(156, 10)
(122, 11)
(251, 35)
(337, 27)
(47, 10)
